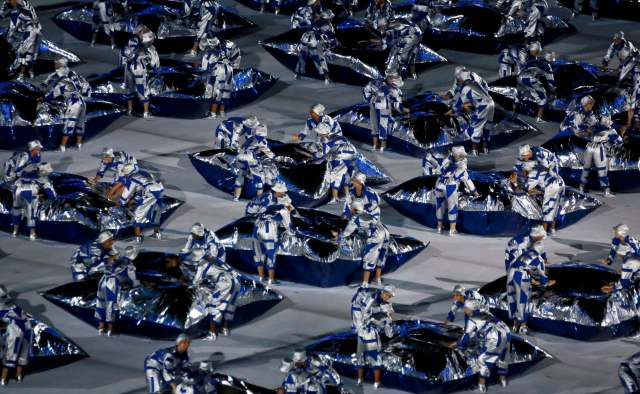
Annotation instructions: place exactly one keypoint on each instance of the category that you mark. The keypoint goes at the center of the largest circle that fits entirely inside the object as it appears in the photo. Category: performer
(622, 245)
(378, 12)
(232, 133)
(360, 191)
(460, 296)
(384, 99)
(70, 89)
(28, 192)
(116, 271)
(471, 97)
(452, 171)
(143, 193)
(492, 340)
(23, 35)
(164, 366)
(218, 289)
(536, 78)
(544, 179)
(528, 269)
(18, 337)
(376, 241)
(140, 58)
(92, 257)
(268, 231)
(102, 19)
(317, 115)
(371, 311)
(219, 76)
(520, 243)
(205, 239)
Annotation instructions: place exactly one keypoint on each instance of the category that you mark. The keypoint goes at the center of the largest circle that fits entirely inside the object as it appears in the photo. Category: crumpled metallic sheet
(629, 374)
(46, 124)
(500, 210)
(308, 182)
(575, 306)
(418, 358)
(343, 67)
(177, 90)
(49, 348)
(171, 29)
(503, 129)
(573, 81)
(201, 380)
(79, 212)
(309, 254)
(162, 304)
(50, 51)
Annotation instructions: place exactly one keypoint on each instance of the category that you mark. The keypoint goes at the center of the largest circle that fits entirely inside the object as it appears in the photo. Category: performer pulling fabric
(371, 314)
(164, 367)
(17, 342)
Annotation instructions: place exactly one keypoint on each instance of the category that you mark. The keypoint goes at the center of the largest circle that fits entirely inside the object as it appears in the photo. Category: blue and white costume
(163, 368)
(313, 44)
(219, 73)
(475, 91)
(513, 6)
(375, 16)
(370, 315)
(139, 61)
(629, 274)
(375, 237)
(259, 146)
(492, 338)
(217, 289)
(266, 234)
(114, 274)
(322, 375)
(530, 265)
(339, 156)
(304, 17)
(534, 78)
(248, 168)
(546, 178)
(452, 172)
(535, 28)
(457, 306)
(208, 242)
(18, 336)
(23, 34)
(595, 154)
(517, 246)
(231, 52)
(210, 20)
(403, 37)
(90, 258)
(70, 95)
(311, 125)
(369, 198)
(145, 192)
(296, 381)
(80, 83)
(26, 197)
(579, 121)
(232, 133)
(383, 99)
(510, 61)
(625, 51)
(261, 203)
(120, 159)
(627, 250)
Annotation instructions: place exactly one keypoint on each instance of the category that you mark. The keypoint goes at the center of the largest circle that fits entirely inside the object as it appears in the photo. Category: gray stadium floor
(254, 351)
